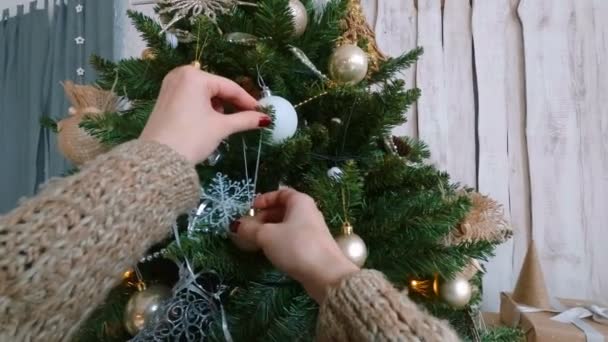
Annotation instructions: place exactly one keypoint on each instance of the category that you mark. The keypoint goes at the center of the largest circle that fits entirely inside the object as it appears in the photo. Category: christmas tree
(375, 190)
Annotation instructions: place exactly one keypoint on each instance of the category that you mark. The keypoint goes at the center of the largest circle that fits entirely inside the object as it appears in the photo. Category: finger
(278, 198)
(244, 232)
(245, 121)
(217, 104)
(270, 215)
(230, 91)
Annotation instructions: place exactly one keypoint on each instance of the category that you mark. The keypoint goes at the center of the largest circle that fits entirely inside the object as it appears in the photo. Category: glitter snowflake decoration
(180, 9)
(222, 201)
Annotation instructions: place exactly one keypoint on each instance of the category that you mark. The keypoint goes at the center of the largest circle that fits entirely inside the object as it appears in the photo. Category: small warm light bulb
(414, 283)
(127, 274)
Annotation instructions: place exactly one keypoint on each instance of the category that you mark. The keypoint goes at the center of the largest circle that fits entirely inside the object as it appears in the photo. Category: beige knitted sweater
(64, 249)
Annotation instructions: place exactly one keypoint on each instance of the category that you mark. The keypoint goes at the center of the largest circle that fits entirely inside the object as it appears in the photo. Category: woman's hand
(188, 115)
(294, 237)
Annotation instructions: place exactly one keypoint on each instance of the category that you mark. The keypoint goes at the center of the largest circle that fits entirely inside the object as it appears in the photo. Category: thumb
(246, 121)
(244, 233)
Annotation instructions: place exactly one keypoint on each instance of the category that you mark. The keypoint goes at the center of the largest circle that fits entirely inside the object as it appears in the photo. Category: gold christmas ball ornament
(352, 245)
(348, 64)
(148, 54)
(142, 306)
(455, 292)
(300, 17)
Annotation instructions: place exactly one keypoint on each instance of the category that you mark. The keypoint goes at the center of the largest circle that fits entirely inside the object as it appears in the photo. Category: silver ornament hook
(265, 89)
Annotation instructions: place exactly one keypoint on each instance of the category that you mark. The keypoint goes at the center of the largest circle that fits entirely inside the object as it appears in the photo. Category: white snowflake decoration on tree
(222, 202)
(180, 9)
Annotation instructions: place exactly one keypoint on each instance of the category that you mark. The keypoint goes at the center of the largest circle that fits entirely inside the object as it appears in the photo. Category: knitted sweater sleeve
(364, 306)
(64, 249)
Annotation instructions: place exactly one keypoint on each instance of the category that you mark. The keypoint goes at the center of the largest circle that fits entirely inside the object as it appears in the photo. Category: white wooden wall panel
(395, 35)
(541, 70)
(519, 211)
(459, 96)
(491, 20)
(432, 114)
(554, 141)
(590, 73)
(599, 234)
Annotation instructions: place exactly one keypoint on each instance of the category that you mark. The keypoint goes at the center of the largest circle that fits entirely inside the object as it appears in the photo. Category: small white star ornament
(79, 40)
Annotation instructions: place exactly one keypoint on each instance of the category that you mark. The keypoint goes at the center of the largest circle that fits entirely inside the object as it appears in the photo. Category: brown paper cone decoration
(484, 222)
(530, 289)
(74, 142)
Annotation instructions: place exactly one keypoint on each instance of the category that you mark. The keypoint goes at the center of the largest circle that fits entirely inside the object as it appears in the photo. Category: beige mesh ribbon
(74, 142)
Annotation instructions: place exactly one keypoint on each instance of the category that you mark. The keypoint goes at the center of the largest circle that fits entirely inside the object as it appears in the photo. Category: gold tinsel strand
(357, 29)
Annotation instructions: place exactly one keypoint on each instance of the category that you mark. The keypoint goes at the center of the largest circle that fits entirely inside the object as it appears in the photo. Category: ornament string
(344, 201)
(257, 166)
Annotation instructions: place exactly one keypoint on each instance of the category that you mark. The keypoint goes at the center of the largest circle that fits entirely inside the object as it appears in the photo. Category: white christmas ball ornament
(285, 120)
(335, 174)
(300, 17)
(348, 64)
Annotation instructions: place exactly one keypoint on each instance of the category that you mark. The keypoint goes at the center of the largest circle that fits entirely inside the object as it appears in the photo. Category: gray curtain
(36, 55)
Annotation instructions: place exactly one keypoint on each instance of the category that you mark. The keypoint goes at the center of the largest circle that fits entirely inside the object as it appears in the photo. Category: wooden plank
(396, 33)
(503, 172)
(460, 98)
(550, 28)
(589, 51)
(370, 9)
(432, 113)
(127, 41)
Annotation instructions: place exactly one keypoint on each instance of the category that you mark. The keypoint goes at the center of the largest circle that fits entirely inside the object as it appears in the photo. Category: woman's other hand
(292, 233)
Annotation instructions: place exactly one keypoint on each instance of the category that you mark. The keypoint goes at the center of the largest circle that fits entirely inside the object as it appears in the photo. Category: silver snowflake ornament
(188, 315)
(79, 8)
(180, 9)
(222, 201)
(80, 72)
(79, 40)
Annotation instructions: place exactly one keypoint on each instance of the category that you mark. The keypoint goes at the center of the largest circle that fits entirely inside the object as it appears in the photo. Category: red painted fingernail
(265, 121)
(234, 226)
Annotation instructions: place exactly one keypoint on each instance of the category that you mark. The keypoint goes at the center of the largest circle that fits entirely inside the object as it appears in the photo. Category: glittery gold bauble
(348, 64)
(148, 54)
(352, 245)
(300, 17)
(142, 306)
(455, 292)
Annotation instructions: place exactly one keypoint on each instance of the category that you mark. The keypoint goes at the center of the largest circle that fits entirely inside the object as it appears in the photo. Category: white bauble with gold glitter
(455, 292)
(352, 245)
(142, 306)
(300, 17)
(285, 119)
(348, 64)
